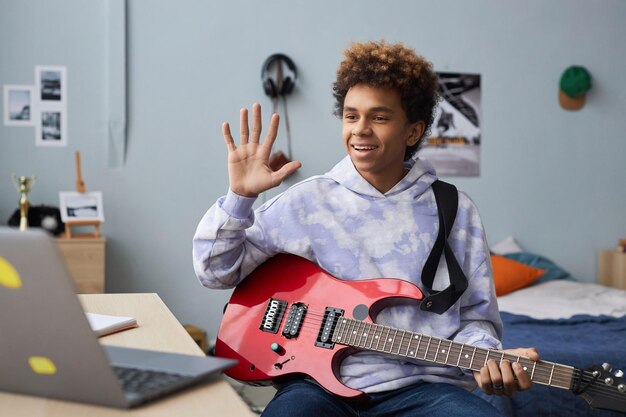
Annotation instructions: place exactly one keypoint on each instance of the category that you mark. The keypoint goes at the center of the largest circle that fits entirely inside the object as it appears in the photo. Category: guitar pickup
(294, 320)
(324, 336)
(273, 315)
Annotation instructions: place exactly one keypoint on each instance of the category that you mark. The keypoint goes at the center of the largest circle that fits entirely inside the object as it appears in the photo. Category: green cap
(575, 81)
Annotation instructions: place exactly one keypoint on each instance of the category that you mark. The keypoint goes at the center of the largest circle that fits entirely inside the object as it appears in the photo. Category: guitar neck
(384, 339)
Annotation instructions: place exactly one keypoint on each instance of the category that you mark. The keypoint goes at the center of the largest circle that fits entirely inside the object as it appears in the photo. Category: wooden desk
(158, 330)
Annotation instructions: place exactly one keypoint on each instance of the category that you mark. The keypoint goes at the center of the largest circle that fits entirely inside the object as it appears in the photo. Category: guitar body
(247, 330)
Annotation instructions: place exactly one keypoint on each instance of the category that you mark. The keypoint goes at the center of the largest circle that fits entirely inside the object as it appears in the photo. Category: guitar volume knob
(619, 373)
(275, 347)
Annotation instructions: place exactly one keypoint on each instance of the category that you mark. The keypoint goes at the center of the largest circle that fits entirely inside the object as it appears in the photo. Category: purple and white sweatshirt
(352, 231)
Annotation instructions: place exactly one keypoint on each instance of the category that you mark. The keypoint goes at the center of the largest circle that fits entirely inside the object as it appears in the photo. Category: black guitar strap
(439, 302)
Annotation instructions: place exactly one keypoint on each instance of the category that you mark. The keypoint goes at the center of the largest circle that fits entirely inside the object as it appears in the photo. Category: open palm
(249, 172)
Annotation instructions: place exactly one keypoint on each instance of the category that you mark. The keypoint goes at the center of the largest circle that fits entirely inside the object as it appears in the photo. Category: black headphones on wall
(278, 84)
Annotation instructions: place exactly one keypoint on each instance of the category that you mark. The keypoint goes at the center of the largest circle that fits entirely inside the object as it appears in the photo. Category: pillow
(508, 245)
(510, 275)
(553, 271)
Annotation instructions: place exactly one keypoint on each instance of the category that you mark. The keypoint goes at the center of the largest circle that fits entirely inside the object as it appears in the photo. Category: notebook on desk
(48, 349)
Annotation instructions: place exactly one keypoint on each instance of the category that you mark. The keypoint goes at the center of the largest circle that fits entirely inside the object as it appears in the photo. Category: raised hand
(249, 172)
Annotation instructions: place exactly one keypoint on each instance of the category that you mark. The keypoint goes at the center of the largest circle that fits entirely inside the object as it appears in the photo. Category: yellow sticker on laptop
(8, 275)
(42, 365)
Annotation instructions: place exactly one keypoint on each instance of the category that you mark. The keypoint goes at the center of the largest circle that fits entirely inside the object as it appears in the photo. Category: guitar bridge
(324, 336)
(273, 315)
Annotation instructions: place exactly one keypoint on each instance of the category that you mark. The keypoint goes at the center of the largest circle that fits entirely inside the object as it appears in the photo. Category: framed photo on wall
(18, 105)
(51, 127)
(78, 207)
(51, 84)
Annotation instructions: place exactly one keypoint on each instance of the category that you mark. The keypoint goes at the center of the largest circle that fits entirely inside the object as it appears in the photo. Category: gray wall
(553, 179)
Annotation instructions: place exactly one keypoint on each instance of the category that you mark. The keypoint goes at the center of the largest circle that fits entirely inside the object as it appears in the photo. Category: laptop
(48, 349)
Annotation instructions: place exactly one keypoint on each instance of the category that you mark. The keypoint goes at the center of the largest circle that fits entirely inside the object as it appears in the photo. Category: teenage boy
(373, 215)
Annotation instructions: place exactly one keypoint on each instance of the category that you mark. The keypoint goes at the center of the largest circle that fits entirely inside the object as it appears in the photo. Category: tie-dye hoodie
(352, 231)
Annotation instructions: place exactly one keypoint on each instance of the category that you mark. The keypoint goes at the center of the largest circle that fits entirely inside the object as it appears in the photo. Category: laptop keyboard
(146, 382)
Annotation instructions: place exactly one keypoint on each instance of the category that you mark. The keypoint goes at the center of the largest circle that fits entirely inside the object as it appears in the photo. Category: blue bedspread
(580, 341)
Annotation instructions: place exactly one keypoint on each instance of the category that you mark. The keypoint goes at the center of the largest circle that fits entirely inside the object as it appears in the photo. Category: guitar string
(455, 351)
(559, 377)
(556, 376)
(452, 349)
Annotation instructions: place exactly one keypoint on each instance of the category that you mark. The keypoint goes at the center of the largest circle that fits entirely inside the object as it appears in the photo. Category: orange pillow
(510, 275)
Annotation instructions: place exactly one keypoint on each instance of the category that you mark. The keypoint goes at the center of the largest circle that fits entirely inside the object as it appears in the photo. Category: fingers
(497, 378)
(228, 137)
(285, 171)
(504, 378)
(256, 123)
(523, 379)
(251, 136)
(272, 132)
(243, 126)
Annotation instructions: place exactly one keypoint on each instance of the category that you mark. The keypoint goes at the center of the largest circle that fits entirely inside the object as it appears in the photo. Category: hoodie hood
(419, 178)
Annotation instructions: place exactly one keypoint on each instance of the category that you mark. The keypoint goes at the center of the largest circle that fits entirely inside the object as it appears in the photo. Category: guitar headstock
(602, 388)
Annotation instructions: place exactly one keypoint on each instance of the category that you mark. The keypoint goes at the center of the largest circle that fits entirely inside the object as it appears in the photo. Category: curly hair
(380, 64)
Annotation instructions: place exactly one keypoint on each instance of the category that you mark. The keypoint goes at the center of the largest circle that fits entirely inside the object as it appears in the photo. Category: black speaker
(277, 83)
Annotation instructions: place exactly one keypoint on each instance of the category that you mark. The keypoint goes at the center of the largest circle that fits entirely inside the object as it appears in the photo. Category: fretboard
(384, 339)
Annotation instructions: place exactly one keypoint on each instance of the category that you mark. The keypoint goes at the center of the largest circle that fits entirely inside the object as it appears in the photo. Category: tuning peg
(619, 373)
(607, 367)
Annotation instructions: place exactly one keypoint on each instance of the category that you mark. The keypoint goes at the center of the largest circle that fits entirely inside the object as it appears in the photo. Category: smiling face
(376, 132)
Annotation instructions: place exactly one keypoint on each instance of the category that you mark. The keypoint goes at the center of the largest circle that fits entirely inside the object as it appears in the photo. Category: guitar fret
(532, 374)
(373, 334)
(362, 333)
(349, 326)
(353, 333)
(408, 345)
(551, 373)
(393, 340)
(419, 343)
(401, 341)
(448, 353)
(337, 335)
(378, 337)
(472, 360)
(458, 361)
(430, 339)
(437, 350)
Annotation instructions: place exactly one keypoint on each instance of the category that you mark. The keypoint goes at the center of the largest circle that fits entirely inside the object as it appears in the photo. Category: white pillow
(507, 245)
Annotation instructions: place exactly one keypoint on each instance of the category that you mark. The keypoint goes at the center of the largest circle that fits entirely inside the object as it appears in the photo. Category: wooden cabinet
(85, 260)
(612, 268)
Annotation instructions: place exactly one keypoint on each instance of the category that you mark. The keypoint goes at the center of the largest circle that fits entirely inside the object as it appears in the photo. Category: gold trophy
(23, 185)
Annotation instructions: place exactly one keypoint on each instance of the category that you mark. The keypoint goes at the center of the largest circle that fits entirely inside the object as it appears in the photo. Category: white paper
(103, 324)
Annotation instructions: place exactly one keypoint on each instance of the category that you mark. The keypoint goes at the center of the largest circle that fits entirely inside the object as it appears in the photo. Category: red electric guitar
(291, 318)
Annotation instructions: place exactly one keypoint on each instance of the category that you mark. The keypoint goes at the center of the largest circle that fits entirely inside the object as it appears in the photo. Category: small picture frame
(51, 127)
(51, 84)
(18, 105)
(81, 207)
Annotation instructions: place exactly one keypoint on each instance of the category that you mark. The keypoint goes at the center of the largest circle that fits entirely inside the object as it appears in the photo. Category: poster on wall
(453, 146)
(51, 110)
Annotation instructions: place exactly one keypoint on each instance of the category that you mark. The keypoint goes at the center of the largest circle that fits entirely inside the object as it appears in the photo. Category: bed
(569, 322)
